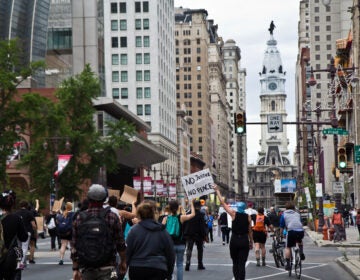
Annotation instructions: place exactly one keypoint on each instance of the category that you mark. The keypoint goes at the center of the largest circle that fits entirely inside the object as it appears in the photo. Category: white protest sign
(198, 184)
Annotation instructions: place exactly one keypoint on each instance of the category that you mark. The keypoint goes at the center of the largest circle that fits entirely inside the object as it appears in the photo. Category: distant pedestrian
(274, 220)
(262, 225)
(97, 236)
(13, 229)
(150, 250)
(210, 224)
(353, 213)
(51, 228)
(179, 241)
(64, 227)
(225, 230)
(357, 222)
(251, 212)
(241, 238)
(195, 232)
(338, 224)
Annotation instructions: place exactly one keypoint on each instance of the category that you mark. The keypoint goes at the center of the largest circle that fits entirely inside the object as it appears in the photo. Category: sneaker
(187, 267)
(263, 263)
(257, 263)
(22, 266)
(31, 261)
(302, 256)
(201, 267)
(224, 243)
(287, 267)
(61, 262)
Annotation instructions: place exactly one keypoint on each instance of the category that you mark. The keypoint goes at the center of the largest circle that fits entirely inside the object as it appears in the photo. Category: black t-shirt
(240, 225)
(27, 217)
(13, 225)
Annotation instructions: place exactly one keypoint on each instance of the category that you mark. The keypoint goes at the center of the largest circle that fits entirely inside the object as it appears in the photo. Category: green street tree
(12, 74)
(70, 119)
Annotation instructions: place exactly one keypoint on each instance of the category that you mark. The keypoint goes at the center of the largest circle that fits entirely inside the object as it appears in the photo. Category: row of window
(188, 94)
(187, 51)
(143, 110)
(140, 41)
(121, 7)
(123, 59)
(122, 76)
(124, 93)
(186, 42)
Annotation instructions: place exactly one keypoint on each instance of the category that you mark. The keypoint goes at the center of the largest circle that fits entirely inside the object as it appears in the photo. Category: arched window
(273, 105)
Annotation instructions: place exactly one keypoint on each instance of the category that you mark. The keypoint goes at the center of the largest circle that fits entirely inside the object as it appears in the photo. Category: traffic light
(342, 158)
(240, 122)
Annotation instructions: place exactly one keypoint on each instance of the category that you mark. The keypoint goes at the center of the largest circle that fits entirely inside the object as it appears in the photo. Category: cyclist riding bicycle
(291, 220)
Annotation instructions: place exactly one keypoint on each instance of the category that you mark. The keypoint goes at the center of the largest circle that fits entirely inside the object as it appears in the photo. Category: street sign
(275, 123)
(339, 131)
(357, 153)
(338, 187)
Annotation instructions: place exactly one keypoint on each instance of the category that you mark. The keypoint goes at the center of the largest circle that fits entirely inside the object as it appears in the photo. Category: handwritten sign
(129, 195)
(57, 205)
(198, 184)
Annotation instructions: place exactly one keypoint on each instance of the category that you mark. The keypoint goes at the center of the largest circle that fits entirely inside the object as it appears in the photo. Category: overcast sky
(247, 23)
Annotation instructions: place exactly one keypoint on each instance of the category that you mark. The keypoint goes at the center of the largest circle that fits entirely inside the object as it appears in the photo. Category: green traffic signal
(240, 122)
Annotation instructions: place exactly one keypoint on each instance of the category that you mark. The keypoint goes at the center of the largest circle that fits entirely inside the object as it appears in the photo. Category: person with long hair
(241, 241)
(13, 230)
(179, 242)
(65, 217)
(150, 250)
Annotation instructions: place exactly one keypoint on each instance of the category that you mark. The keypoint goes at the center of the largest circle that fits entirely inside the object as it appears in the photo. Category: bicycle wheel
(281, 256)
(297, 265)
(275, 254)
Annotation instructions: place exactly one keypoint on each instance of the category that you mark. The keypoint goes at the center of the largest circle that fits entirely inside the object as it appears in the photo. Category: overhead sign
(357, 153)
(338, 187)
(198, 184)
(338, 131)
(275, 123)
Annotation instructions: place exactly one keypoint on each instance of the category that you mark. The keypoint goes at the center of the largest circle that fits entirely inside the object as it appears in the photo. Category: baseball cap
(97, 192)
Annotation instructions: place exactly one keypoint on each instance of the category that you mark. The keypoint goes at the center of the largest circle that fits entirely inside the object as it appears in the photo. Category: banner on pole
(63, 160)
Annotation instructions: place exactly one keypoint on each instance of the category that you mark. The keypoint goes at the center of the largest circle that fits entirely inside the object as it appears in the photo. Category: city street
(319, 264)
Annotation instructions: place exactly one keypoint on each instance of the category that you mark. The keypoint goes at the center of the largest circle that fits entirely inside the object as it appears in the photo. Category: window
(146, 58)
(114, 42)
(123, 42)
(123, 59)
(138, 41)
(139, 110)
(122, 7)
(198, 41)
(198, 50)
(138, 24)
(123, 24)
(317, 38)
(115, 59)
(124, 76)
(138, 58)
(147, 92)
(273, 105)
(198, 59)
(115, 76)
(124, 93)
(147, 75)
(114, 8)
(114, 25)
(145, 7)
(147, 109)
(146, 24)
(138, 75)
(115, 93)
(146, 41)
(139, 93)
(137, 7)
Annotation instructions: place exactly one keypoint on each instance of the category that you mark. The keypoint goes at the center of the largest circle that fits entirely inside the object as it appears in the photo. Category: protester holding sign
(241, 239)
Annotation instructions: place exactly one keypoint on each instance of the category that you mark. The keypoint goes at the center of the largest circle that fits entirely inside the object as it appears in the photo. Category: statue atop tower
(272, 27)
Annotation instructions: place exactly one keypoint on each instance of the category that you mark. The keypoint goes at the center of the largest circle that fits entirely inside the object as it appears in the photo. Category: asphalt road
(319, 264)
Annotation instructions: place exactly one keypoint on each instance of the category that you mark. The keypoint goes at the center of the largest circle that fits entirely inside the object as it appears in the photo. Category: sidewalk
(351, 263)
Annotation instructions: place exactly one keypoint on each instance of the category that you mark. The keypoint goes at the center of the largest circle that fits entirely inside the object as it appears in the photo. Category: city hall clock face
(272, 86)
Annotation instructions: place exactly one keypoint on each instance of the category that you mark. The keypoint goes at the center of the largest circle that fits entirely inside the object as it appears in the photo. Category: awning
(140, 153)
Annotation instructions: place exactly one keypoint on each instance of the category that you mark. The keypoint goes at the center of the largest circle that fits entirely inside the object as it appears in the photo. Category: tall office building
(139, 67)
(26, 20)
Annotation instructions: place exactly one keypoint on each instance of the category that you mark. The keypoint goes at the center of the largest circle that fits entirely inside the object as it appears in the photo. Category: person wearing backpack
(96, 237)
(150, 249)
(51, 227)
(64, 227)
(173, 224)
(11, 229)
(260, 228)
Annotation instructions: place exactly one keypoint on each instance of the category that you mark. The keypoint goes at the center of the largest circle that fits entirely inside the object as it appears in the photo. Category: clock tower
(273, 163)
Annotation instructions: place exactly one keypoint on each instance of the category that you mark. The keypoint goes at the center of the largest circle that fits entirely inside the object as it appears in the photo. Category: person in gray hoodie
(150, 253)
(291, 220)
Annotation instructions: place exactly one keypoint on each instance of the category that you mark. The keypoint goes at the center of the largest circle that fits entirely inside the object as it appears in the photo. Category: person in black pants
(241, 238)
(225, 230)
(195, 231)
(51, 227)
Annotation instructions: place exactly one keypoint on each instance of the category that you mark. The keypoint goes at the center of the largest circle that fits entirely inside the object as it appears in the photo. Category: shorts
(294, 237)
(259, 237)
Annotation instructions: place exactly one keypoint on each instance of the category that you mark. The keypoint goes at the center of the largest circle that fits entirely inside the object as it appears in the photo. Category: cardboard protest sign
(129, 195)
(40, 223)
(57, 205)
(198, 184)
(114, 193)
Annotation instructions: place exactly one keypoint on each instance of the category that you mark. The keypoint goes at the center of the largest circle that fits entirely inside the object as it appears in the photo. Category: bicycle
(277, 250)
(297, 264)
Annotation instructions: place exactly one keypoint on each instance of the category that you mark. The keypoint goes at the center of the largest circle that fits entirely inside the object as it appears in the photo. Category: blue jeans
(179, 254)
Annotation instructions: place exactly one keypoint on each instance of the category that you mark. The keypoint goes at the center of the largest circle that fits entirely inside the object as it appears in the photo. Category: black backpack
(95, 246)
